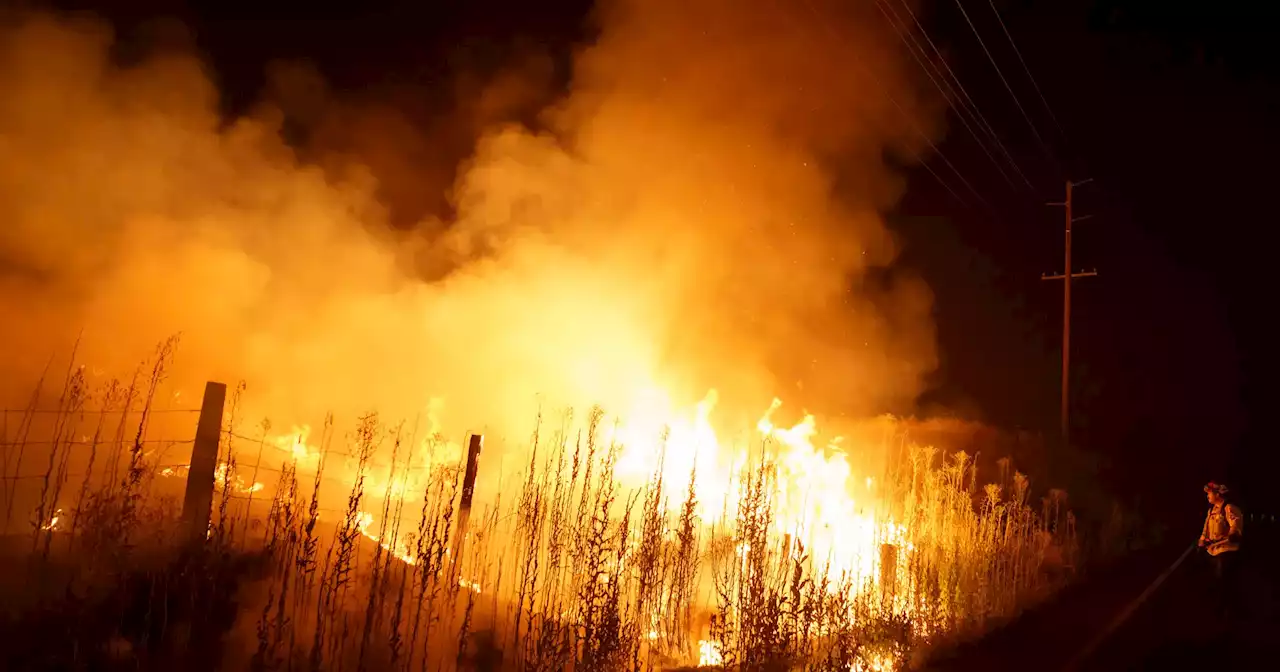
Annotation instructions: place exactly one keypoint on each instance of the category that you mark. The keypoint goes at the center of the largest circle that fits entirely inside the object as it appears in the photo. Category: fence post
(888, 576)
(464, 505)
(197, 503)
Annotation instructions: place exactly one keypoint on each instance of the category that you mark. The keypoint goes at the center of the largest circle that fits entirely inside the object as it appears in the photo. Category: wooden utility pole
(197, 501)
(1066, 276)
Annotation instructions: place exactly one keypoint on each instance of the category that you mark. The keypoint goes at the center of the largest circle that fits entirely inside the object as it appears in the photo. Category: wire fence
(49, 457)
(101, 411)
(167, 443)
(78, 449)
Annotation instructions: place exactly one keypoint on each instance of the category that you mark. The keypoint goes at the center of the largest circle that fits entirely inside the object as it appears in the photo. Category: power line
(1005, 81)
(921, 58)
(914, 126)
(957, 94)
(967, 101)
(1027, 69)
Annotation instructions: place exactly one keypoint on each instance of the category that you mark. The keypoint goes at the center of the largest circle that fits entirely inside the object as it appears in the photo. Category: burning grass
(574, 564)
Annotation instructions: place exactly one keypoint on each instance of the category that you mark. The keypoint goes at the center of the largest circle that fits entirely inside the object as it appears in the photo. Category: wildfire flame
(815, 487)
(237, 485)
(398, 550)
(709, 653)
(681, 222)
(295, 443)
(52, 523)
(820, 503)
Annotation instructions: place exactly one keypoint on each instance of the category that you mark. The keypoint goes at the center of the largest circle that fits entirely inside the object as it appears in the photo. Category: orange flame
(814, 500)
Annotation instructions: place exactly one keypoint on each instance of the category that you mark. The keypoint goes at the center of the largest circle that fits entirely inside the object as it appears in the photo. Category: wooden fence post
(197, 503)
(888, 576)
(464, 505)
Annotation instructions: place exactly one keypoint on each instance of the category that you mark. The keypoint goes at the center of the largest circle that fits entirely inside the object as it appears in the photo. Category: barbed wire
(268, 443)
(165, 443)
(99, 411)
(241, 469)
(105, 443)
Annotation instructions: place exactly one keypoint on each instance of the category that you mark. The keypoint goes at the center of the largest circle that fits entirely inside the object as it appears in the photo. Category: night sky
(1163, 104)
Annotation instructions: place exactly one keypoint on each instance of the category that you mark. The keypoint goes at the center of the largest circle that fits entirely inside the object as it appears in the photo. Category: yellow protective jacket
(1223, 528)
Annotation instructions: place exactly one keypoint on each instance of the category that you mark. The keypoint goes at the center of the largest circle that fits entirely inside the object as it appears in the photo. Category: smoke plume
(701, 209)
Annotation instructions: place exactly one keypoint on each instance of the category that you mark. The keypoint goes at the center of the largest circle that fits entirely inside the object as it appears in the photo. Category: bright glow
(52, 523)
(814, 502)
(709, 653)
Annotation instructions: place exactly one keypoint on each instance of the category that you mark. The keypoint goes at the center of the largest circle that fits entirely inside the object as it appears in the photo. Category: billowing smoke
(701, 210)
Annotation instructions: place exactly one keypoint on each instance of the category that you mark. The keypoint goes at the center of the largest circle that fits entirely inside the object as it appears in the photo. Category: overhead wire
(912, 46)
(1027, 69)
(948, 92)
(1016, 101)
(915, 127)
(968, 102)
(1035, 84)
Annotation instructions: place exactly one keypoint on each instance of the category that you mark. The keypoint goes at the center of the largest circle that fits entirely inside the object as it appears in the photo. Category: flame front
(820, 503)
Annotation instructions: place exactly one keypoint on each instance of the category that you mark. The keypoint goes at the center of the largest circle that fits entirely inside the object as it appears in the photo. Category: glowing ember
(237, 485)
(52, 523)
(401, 551)
(398, 550)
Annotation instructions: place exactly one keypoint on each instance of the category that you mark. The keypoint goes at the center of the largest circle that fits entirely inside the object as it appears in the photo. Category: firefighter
(1220, 538)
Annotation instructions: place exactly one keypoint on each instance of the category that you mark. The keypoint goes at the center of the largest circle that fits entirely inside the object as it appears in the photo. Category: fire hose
(1125, 614)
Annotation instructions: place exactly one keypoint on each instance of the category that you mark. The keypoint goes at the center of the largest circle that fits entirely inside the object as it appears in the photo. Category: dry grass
(574, 571)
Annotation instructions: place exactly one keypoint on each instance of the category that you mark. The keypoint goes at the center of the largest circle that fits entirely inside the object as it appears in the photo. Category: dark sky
(1165, 105)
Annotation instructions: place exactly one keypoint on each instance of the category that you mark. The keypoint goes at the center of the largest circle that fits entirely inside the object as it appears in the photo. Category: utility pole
(1066, 276)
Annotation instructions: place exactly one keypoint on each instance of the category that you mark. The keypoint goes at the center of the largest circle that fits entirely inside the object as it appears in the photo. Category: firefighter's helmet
(1214, 486)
